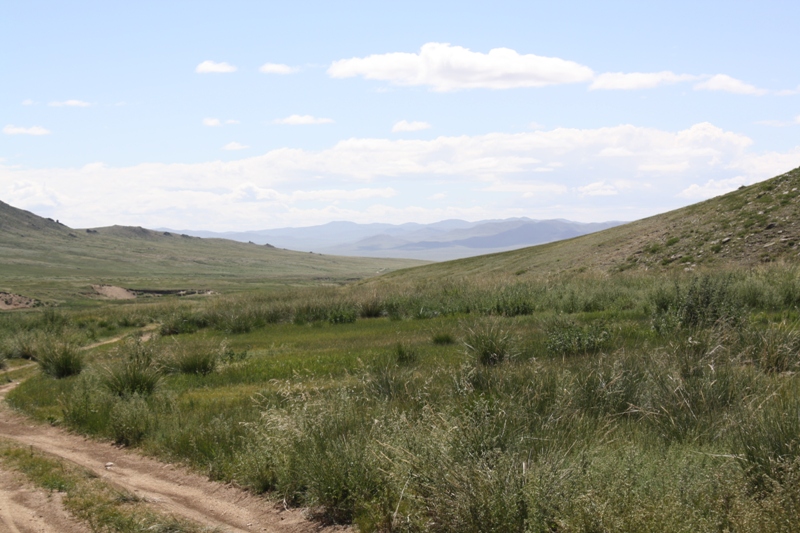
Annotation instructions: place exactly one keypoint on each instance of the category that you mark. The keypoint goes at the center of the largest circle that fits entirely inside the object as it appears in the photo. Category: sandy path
(27, 510)
(169, 488)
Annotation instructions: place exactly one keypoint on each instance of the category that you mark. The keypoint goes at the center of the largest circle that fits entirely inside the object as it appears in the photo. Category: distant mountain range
(440, 241)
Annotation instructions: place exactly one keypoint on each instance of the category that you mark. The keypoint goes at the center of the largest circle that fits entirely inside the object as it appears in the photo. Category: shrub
(443, 337)
(705, 302)
(372, 308)
(566, 338)
(489, 343)
(405, 355)
(59, 358)
(182, 321)
(131, 420)
(342, 314)
(195, 358)
(23, 345)
(768, 437)
(135, 373)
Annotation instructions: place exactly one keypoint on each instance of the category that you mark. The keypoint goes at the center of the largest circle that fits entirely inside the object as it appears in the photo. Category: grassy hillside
(44, 259)
(753, 225)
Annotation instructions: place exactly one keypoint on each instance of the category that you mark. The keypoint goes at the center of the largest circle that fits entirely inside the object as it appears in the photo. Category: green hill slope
(44, 259)
(750, 226)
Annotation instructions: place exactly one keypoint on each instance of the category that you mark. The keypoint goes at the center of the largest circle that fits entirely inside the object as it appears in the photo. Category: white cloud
(211, 122)
(296, 120)
(250, 192)
(212, 67)
(29, 194)
(231, 121)
(70, 103)
(598, 188)
(797, 119)
(562, 173)
(789, 92)
(437, 196)
(277, 68)
(536, 126)
(28, 101)
(234, 146)
(18, 130)
(448, 68)
(714, 188)
(774, 123)
(405, 125)
(725, 83)
(528, 189)
(637, 80)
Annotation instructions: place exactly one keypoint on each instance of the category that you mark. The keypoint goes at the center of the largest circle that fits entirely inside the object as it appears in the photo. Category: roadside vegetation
(626, 402)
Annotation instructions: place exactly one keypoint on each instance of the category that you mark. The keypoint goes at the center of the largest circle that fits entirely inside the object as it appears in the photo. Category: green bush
(194, 357)
(59, 358)
(565, 338)
(131, 420)
(489, 343)
(443, 337)
(136, 371)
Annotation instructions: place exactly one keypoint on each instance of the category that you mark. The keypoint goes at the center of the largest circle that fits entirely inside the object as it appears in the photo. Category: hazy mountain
(447, 239)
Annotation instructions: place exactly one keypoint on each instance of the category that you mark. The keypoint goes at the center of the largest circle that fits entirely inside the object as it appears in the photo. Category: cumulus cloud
(638, 80)
(405, 125)
(445, 67)
(725, 83)
(235, 146)
(598, 188)
(713, 188)
(212, 67)
(28, 101)
(213, 122)
(277, 68)
(70, 103)
(18, 130)
(300, 120)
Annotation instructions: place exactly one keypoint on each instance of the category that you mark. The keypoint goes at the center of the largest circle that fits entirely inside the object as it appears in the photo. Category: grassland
(516, 392)
(629, 403)
(45, 260)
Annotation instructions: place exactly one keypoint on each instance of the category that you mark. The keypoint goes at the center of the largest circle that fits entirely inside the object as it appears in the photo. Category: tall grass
(584, 404)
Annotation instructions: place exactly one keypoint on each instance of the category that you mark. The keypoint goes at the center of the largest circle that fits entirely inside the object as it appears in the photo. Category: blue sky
(252, 115)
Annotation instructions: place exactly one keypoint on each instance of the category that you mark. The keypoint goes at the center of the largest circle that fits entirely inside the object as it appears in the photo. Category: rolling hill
(44, 259)
(750, 226)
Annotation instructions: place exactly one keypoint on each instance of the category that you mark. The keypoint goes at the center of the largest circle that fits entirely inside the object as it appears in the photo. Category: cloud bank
(554, 173)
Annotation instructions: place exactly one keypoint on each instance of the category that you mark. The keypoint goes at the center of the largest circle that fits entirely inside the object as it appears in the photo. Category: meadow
(637, 401)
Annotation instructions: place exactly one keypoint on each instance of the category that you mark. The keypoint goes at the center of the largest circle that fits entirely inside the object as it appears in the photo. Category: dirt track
(168, 488)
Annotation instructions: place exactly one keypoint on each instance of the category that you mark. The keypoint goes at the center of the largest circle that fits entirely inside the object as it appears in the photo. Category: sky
(245, 115)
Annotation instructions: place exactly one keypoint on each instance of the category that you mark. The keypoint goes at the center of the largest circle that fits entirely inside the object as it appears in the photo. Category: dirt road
(168, 488)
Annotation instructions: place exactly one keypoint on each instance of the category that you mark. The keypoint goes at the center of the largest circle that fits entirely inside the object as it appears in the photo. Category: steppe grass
(584, 404)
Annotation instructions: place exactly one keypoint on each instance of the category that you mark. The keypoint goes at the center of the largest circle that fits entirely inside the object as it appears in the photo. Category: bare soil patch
(114, 293)
(15, 301)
